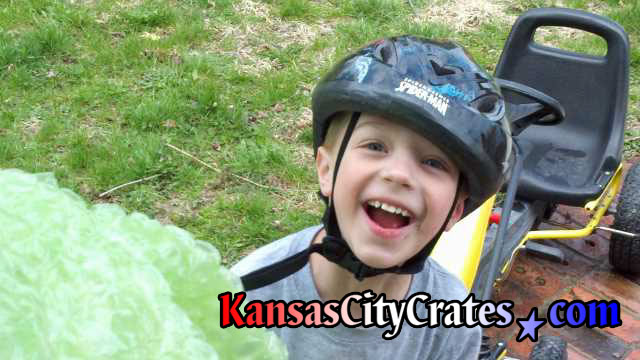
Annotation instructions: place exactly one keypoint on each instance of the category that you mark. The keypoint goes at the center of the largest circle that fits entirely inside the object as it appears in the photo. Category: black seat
(570, 163)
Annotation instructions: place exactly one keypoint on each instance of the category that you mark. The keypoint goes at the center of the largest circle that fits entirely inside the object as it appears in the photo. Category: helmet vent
(386, 53)
(486, 104)
(441, 70)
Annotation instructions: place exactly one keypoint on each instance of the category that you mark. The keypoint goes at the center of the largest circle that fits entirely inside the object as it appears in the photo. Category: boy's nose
(397, 172)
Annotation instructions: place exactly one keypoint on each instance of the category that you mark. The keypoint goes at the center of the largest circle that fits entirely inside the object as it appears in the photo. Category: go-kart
(568, 112)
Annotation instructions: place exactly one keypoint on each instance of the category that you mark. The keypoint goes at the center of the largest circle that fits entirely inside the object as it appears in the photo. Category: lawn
(96, 91)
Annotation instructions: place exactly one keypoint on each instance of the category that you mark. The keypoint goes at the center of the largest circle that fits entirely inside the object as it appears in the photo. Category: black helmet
(434, 88)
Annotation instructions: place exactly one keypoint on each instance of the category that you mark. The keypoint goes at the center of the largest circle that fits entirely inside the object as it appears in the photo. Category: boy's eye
(375, 146)
(435, 163)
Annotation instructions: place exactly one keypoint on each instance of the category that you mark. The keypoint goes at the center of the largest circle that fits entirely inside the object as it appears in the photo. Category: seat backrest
(569, 162)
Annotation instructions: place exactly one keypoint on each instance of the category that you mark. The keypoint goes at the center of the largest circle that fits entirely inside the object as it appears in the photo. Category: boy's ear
(324, 169)
(457, 211)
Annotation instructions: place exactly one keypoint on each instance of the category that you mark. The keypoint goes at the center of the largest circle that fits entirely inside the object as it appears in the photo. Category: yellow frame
(464, 264)
(599, 206)
(460, 253)
(596, 207)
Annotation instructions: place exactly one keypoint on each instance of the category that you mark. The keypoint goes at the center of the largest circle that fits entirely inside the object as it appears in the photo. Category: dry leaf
(170, 124)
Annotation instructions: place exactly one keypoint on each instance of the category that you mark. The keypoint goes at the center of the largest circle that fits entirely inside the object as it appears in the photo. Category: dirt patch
(546, 35)
(263, 31)
(303, 156)
(103, 18)
(91, 129)
(172, 207)
(296, 32)
(598, 7)
(289, 125)
(177, 206)
(83, 2)
(32, 126)
(325, 57)
(251, 8)
(129, 4)
(158, 34)
(309, 202)
(551, 36)
(245, 50)
(466, 15)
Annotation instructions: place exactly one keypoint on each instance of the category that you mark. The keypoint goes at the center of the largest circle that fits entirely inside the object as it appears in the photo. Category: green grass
(94, 90)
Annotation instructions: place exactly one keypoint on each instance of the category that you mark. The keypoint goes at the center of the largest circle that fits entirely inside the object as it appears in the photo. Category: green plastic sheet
(93, 282)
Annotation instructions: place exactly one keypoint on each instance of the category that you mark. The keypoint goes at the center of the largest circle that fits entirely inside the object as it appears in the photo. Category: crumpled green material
(92, 282)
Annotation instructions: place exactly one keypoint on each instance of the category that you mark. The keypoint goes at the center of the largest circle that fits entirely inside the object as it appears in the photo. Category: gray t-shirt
(342, 342)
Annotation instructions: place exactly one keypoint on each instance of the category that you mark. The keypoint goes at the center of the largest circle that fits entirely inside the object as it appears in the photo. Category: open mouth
(387, 216)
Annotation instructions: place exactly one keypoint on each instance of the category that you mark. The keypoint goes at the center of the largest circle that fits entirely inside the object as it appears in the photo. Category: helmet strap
(330, 220)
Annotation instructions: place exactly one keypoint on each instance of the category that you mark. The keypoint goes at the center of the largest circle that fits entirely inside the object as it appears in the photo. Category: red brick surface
(587, 275)
(615, 287)
(629, 332)
(575, 354)
(635, 355)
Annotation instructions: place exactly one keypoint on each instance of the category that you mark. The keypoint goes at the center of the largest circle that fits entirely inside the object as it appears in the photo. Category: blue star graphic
(529, 327)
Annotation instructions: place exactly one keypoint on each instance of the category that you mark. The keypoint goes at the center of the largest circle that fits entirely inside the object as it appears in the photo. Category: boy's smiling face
(393, 191)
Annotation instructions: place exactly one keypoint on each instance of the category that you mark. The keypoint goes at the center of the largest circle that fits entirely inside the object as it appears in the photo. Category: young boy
(410, 136)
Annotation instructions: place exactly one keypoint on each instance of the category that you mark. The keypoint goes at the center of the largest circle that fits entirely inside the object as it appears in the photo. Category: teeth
(389, 208)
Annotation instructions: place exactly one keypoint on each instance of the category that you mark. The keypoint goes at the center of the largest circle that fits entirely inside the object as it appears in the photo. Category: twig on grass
(193, 158)
(127, 184)
(220, 171)
(634, 138)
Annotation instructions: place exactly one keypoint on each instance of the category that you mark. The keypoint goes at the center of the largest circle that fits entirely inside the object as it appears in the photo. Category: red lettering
(227, 310)
(294, 311)
(254, 314)
(315, 316)
(271, 308)
(330, 311)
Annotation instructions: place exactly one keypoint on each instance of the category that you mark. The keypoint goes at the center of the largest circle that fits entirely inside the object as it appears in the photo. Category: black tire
(624, 252)
(549, 348)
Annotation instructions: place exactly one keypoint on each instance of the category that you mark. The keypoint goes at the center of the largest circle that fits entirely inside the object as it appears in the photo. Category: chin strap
(334, 248)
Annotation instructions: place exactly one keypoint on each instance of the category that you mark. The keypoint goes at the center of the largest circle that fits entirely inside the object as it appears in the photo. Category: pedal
(545, 251)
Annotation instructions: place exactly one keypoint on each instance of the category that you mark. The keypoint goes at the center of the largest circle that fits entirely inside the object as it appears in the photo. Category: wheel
(624, 252)
(549, 348)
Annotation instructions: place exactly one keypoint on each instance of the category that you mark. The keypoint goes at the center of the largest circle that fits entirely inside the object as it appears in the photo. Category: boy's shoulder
(298, 286)
(438, 282)
(275, 251)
